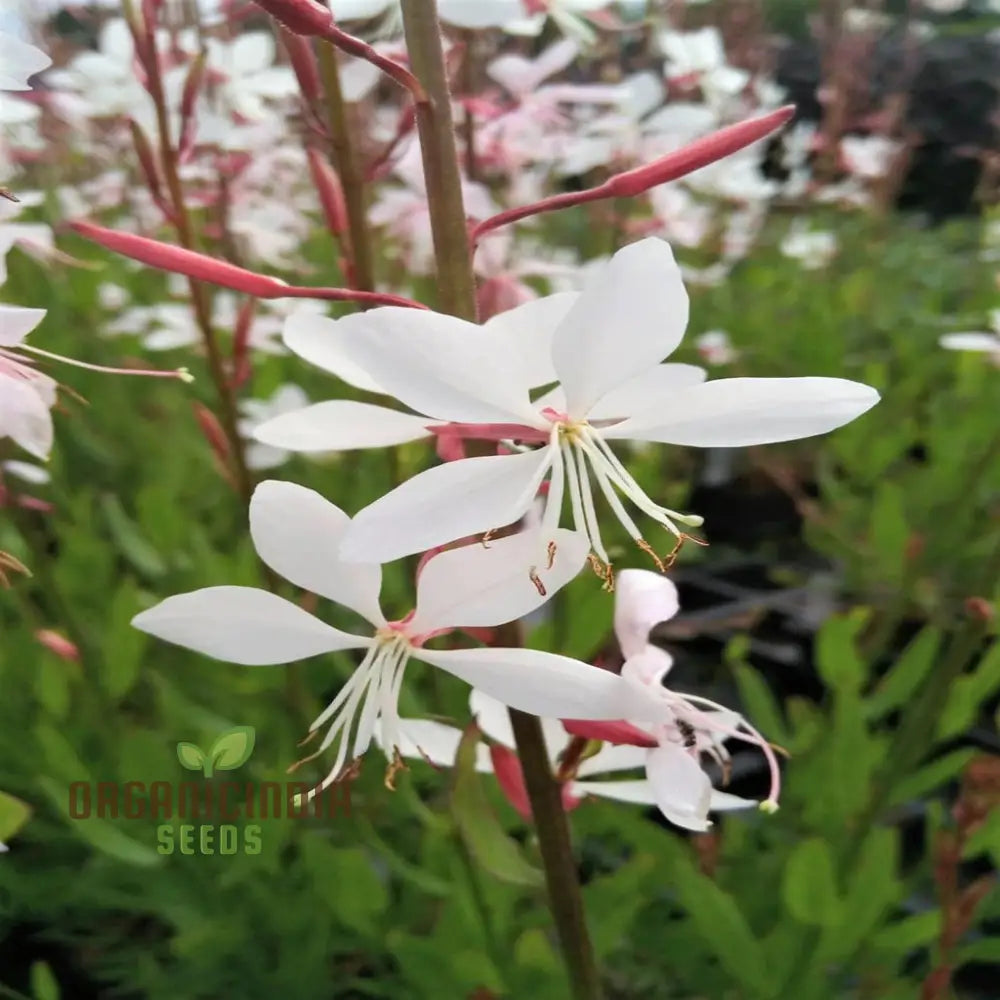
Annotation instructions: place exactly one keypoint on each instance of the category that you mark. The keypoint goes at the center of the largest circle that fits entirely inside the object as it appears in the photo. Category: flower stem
(440, 157)
(345, 159)
(458, 296)
(552, 827)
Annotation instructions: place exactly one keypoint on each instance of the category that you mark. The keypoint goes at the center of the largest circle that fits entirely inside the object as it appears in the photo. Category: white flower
(298, 534)
(26, 396)
(987, 343)
(715, 348)
(699, 57)
(602, 345)
(18, 62)
(669, 753)
(868, 157)
(813, 249)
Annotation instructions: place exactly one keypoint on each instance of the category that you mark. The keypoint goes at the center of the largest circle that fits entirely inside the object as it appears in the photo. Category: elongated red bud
(303, 60)
(189, 97)
(58, 644)
(330, 191)
(697, 154)
(630, 183)
(241, 343)
(200, 267)
(147, 161)
(304, 17)
(213, 432)
(510, 777)
(619, 733)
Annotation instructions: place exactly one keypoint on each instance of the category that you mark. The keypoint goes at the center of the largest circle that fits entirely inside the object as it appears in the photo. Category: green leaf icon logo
(191, 756)
(229, 751)
(232, 749)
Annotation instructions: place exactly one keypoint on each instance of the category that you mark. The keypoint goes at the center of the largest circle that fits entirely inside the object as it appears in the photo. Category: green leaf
(43, 982)
(13, 815)
(908, 934)
(809, 887)
(616, 900)
(967, 694)
(346, 882)
(129, 540)
(906, 675)
(888, 531)
(760, 704)
(478, 825)
(191, 756)
(918, 784)
(233, 748)
(837, 659)
(723, 929)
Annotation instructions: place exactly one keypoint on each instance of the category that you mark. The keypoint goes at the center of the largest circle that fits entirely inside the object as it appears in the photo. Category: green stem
(345, 159)
(458, 297)
(441, 172)
(481, 905)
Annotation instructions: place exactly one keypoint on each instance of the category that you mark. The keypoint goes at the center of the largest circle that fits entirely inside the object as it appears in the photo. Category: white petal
(493, 718)
(613, 758)
(432, 741)
(25, 417)
(349, 10)
(681, 788)
(19, 61)
(530, 680)
(16, 322)
(647, 668)
(479, 13)
(243, 625)
(971, 342)
(298, 534)
(642, 599)
(310, 336)
(27, 472)
(479, 586)
(340, 425)
(646, 391)
(724, 802)
(527, 331)
(738, 412)
(631, 315)
(444, 503)
(437, 364)
(638, 791)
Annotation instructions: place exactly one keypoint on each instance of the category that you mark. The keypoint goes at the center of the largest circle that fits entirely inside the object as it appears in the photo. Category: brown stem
(345, 159)
(437, 143)
(457, 284)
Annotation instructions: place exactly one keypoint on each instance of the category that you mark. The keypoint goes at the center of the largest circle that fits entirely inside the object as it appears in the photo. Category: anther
(395, 766)
(551, 550)
(487, 535)
(651, 552)
(537, 581)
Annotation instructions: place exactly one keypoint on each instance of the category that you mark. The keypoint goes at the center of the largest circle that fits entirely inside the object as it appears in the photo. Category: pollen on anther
(551, 551)
(395, 766)
(537, 581)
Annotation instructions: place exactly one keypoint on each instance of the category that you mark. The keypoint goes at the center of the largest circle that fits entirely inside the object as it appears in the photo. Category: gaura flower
(603, 346)
(19, 61)
(26, 395)
(980, 341)
(298, 533)
(669, 754)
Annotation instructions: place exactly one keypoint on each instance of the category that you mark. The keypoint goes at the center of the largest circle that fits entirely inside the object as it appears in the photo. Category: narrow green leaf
(723, 929)
(129, 540)
(477, 824)
(13, 815)
(918, 784)
(43, 982)
(967, 694)
(809, 886)
(837, 659)
(906, 675)
(907, 934)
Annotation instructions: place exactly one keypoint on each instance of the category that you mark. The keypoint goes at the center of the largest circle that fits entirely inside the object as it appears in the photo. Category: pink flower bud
(698, 154)
(510, 777)
(619, 733)
(303, 17)
(213, 432)
(58, 644)
(330, 191)
(303, 60)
